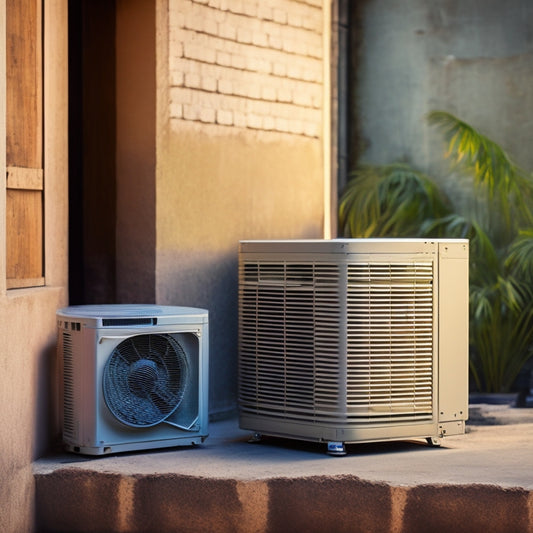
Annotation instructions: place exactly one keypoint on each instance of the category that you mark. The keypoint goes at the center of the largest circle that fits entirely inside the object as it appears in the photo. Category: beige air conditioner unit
(353, 340)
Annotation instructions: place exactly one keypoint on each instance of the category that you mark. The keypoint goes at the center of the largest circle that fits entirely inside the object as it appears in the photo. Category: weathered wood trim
(24, 178)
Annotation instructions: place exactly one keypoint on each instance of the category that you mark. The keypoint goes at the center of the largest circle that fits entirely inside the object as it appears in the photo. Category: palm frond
(510, 188)
(389, 201)
(519, 259)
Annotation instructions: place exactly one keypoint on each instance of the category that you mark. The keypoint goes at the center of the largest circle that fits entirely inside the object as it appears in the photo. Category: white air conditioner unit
(353, 340)
(135, 377)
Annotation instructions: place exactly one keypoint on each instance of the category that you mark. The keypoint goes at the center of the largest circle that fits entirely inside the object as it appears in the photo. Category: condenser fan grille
(145, 378)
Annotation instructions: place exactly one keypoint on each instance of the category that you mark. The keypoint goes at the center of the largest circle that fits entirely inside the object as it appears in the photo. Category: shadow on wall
(48, 402)
(209, 281)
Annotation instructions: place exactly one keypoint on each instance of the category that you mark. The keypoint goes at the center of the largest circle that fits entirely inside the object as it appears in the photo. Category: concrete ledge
(481, 481)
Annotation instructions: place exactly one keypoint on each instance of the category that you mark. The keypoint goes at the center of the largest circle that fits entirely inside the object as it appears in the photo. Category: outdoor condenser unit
(353, 340)
(135, 377)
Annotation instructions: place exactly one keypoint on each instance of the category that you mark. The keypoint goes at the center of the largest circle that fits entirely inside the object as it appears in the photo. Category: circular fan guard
(145, 378)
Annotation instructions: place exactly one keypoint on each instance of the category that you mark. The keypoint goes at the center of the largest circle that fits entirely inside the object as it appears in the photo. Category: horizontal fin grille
(336, 343)
(289, 320)
(390, 340)
(68, 387)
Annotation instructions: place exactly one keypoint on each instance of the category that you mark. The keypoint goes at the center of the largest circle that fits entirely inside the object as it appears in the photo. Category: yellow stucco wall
(212, 191)
(28, 365)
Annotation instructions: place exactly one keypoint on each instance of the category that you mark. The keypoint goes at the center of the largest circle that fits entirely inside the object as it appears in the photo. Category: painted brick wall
(253, 64)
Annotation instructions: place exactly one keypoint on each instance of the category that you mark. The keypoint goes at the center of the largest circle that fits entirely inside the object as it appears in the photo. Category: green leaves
(398, 201)
(392, 201)
(509, 188)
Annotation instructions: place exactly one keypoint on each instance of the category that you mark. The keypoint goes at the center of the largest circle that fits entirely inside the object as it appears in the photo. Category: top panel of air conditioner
(120, 315)
(347, 246)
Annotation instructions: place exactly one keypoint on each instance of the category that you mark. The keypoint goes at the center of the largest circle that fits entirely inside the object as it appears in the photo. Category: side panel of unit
(453, 336)
(77, 351)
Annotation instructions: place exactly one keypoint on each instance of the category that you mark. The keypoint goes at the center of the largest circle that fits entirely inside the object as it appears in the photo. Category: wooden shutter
(24, 144)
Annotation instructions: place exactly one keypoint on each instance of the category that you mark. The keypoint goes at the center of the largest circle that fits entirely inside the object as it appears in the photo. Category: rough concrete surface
(480, 481)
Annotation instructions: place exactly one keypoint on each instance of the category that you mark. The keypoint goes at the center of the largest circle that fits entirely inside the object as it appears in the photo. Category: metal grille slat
(328, 342)
(390, 339)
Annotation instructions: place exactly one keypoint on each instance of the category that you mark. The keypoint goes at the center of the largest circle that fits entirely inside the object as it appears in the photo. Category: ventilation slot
(68, 384)
(108, 322)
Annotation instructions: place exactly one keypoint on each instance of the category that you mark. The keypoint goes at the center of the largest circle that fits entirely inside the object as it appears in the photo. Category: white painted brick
(312, 129)
(268, 93)
(259, 38)
(258, 107)
(279, 16)
(284, 94)
(239, 119)
(180, 95)
(190, 112)
(193, 22)
(176, 110)
(241, 89)
(254, 91)
(227, 31)
(236, 6)
(176, 18)
(176, 78)
(223, 58)
(218, 16)
(275, 41)
(210, 26)
(296, 126)
(246, 63)
(207, 115)
(282, 124)
(225, 86)
(303, 98)
(254, 121)
(269, 123)
(265, 12)
(238, 61)
(250, 8)
(210, 100)
(209, 83)
(279, 69)
(244, 35)
(295, 19)
(294, 70)
(257, 64)
(192, 80)
(315, 50)
(224, 117)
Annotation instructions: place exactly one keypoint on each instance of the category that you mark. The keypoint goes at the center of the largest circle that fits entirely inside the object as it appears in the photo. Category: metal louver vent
(390, 341)
(289, 320)
(326, 342)
(68, 391)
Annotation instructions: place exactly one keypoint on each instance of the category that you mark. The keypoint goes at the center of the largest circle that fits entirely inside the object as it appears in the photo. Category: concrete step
(481, 481)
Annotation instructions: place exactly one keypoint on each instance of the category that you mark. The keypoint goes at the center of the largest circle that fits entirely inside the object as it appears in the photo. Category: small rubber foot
(434, 442)
(256, 437)
(336, 448)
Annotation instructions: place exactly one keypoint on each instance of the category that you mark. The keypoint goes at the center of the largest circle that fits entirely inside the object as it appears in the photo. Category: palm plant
(397, 201)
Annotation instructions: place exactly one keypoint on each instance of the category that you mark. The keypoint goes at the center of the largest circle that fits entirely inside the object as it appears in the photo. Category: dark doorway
(92, 143)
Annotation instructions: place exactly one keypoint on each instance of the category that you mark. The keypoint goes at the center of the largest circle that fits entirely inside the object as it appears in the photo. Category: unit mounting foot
(256, 437)
(336, 448)
(434, 442)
